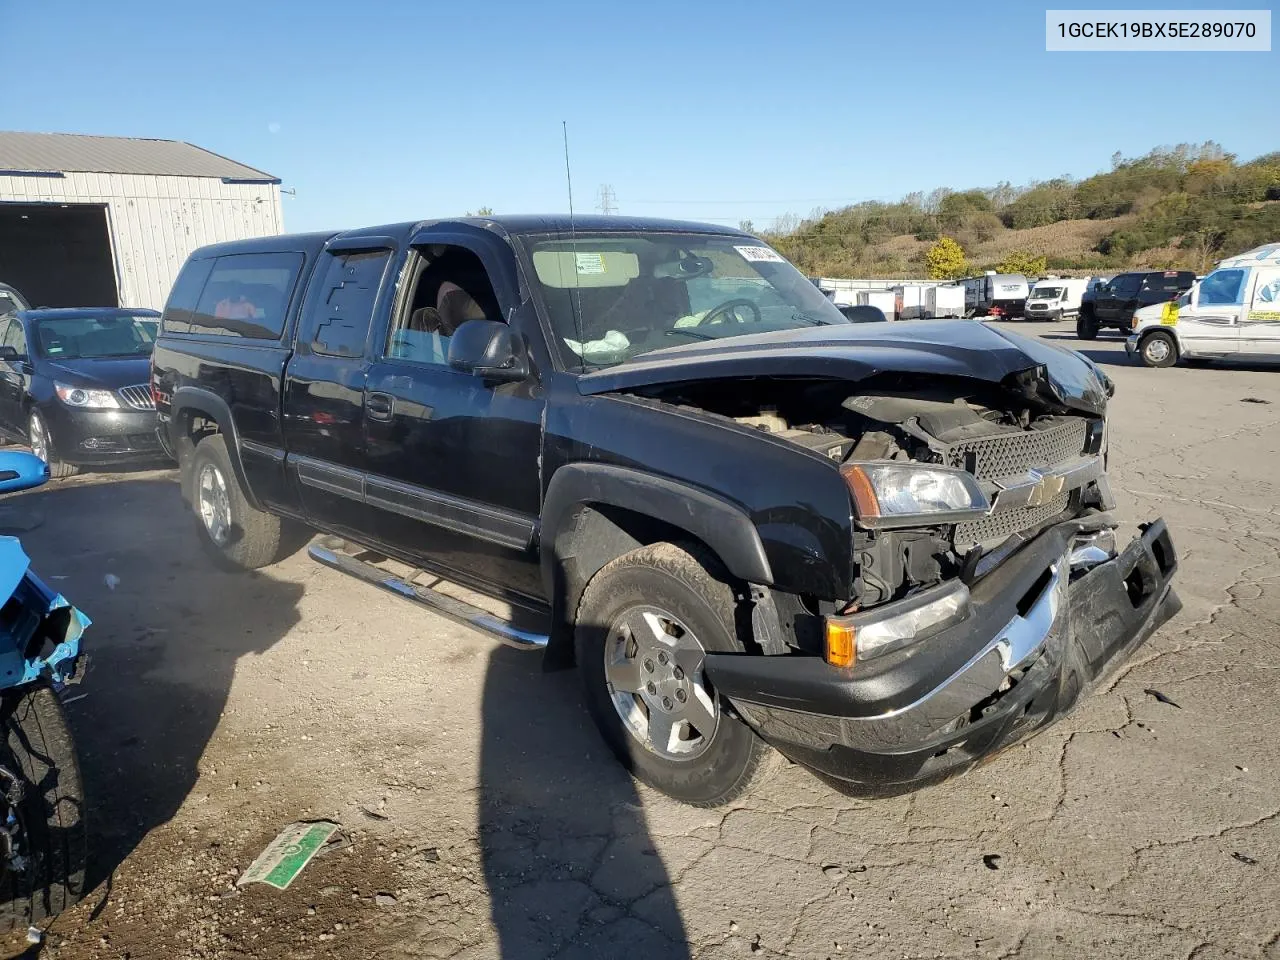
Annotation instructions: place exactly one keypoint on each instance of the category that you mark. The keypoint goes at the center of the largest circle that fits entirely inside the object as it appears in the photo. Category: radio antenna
(575, 302)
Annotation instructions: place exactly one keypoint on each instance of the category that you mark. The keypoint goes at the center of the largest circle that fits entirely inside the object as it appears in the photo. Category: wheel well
(192, 426)
(595, 534)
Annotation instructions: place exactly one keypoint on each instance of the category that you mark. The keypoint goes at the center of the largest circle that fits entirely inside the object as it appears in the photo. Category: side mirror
(21, 471)
(489, 349)
(10, 354)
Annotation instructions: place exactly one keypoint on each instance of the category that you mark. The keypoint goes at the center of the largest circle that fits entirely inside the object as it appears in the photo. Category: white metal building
(108, 221)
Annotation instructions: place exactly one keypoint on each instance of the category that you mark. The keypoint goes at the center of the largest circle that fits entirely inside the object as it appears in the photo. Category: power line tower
(608, 204)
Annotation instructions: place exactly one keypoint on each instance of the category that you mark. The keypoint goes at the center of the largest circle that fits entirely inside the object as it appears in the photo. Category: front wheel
(1158, 350)
(1087, 326)
(644, 626)
(42, 842)
(42, 446)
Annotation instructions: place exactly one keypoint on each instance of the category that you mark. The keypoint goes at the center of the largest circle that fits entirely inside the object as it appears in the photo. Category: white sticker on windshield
(754, 254)
(590, 262)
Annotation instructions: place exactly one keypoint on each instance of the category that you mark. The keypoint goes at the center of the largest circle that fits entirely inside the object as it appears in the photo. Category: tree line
(1183, 206)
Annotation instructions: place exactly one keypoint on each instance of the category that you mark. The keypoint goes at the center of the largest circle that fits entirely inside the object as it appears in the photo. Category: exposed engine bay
(999, 435)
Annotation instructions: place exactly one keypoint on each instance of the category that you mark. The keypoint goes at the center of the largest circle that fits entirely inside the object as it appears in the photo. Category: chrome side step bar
(435, 601)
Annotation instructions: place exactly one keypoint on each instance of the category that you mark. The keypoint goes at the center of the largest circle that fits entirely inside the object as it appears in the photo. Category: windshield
(614, 296)
(1046, 293)
(93, 336)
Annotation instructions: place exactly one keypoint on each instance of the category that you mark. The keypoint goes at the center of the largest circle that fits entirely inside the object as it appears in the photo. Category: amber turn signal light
(864, 494)
(840, 651)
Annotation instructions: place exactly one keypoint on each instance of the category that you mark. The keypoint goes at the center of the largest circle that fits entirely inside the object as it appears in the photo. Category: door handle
(379, 406)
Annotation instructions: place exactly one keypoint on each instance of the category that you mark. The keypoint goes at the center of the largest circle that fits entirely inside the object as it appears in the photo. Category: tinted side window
(7, 303)
(185, 295)
(247, 295)
(1170, 282)
(1127, 285)
(341, 309)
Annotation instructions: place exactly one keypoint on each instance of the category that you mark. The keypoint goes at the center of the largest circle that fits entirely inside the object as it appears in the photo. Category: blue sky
(381, 111)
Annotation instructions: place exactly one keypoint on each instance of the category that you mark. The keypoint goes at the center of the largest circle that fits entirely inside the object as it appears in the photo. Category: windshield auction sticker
(1139, 31)
(589, 263)
(755, 254)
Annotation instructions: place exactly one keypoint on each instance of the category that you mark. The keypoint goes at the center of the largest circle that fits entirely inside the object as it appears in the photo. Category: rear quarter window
(246, 295)
(185, 295)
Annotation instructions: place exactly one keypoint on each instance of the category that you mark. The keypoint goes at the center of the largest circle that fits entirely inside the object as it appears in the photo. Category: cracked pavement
(482, 816)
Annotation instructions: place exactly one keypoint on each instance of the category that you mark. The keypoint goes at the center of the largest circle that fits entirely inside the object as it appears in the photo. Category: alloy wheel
(214, 504)
(653, 665)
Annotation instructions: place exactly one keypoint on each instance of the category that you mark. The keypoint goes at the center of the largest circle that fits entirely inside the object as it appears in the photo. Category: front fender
(720, 524)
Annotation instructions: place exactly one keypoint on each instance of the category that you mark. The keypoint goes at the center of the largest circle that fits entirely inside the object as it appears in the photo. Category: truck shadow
(568, 858)
(162, 649)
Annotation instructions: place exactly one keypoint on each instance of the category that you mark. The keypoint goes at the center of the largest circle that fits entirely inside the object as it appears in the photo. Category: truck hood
(856, 352)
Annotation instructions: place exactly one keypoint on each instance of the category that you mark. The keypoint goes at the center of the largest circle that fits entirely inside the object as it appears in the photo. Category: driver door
(1211, 324)
(453, 462)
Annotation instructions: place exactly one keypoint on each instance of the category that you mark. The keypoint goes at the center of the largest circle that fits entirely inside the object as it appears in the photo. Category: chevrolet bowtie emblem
(1046, 490)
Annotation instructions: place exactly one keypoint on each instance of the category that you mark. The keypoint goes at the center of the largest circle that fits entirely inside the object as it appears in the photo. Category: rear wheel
(644, 626)
(1158, 349)
(42, 839)
(1087, 326)
(238, 536)
(42, 446)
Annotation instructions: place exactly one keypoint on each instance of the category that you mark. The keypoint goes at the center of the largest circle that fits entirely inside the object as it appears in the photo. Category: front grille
(138, 396)
(1013, 454)
(997, 526)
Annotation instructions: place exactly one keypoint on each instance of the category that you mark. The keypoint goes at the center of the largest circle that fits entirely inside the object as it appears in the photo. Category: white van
(1056, 298)
(1234, 311)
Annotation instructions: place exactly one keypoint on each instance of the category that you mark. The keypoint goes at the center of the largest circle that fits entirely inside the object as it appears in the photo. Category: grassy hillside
(1185, 206)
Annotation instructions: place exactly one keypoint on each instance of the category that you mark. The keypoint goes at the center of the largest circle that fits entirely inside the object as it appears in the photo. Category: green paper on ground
(288, 853)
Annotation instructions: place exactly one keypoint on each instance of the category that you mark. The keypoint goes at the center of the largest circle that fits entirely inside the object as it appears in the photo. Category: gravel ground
(482, 816)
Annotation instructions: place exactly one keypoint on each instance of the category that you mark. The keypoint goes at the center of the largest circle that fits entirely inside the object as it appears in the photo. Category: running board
(433, 600)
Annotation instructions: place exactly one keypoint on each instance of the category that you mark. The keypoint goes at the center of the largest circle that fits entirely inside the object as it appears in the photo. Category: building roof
(72, 152)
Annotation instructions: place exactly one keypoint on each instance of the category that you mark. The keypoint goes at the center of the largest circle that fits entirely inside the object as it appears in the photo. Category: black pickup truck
(883, 549)
(1113, 303)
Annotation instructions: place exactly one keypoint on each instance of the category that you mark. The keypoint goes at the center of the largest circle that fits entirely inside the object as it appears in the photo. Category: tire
(38, 751)
(42, 446)
(1158, 349)
(687, 585)
(235, 534)
(1087, 326)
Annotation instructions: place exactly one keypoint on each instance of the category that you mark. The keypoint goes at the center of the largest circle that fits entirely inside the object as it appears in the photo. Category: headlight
(86, 399)
(909, 494)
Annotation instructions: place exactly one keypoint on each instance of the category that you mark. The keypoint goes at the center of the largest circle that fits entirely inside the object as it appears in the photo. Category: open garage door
(58, 255)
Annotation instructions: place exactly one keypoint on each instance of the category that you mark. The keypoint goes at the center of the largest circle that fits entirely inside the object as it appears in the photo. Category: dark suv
(1112, 304)
(883, 549)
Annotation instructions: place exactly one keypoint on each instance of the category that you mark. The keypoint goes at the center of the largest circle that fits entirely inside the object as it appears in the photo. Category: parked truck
(882, 549)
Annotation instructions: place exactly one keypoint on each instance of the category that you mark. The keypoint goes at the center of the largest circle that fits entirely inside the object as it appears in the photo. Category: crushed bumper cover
(1046, 624)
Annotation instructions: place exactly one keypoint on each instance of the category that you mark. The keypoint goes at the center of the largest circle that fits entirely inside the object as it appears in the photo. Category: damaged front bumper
(1045, 625)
